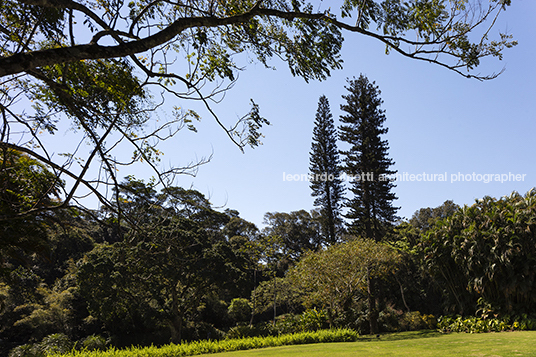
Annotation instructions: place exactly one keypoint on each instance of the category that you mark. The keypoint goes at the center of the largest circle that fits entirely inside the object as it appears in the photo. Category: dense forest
(183, 270)
(157, 263)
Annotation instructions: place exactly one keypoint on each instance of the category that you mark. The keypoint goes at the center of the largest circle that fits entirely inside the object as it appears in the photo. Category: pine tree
(370, 210)
(325, 172)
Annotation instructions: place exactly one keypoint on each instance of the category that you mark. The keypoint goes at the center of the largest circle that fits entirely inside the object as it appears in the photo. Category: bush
(94, 343)
(308, 321)
(202, 331)
(285, 324)
(392, 320)
(240, 309)
(389, 320)
(414, 321)
(478, 325)
(242, 331)
(202, 347)
(314, 320)
(57, 343)
(28, 350)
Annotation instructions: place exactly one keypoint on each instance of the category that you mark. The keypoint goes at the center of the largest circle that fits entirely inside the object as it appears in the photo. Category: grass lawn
(420, 343)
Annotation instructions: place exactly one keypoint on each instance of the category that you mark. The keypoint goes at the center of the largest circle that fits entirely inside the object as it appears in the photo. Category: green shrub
(94, 343)
(57, 343)
(309, 320)
(286, 324)
(414, 321)
(392, 320)
(242, 331)
(314, 320)
(478, 325)
(206, 346)
(388, 319)
(28, 350)
(240, 309)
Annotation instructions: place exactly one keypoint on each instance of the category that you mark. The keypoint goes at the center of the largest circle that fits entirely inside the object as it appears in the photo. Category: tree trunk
(373, 312)
(275, 298)
(402, 293)
(254, 298)
(330, 317)
(176, 317)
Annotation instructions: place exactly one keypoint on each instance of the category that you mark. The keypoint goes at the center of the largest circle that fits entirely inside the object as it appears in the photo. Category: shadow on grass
(396, 336)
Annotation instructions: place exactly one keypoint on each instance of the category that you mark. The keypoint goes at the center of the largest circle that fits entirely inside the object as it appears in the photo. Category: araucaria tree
(325, 171)
(366, 161)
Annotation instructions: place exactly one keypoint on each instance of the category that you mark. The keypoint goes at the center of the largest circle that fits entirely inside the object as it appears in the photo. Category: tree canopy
(107, 65)
(26, 185)
(485, 253)
(337, 277)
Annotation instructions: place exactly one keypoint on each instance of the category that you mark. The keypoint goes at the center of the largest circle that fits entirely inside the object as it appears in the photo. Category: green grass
(413, 344)
(314, 344)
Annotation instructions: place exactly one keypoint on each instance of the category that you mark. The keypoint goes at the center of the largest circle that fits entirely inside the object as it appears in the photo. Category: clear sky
(439, 123)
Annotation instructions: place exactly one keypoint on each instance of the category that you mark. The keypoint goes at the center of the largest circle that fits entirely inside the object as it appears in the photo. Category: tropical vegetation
(155, 263)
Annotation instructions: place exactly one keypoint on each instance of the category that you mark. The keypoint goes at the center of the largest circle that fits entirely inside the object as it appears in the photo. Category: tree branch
(22, 62)
(61, 169)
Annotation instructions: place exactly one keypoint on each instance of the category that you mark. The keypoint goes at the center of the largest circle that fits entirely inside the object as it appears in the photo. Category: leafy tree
(325, 172)
(258, 253)
(187, 264)
(32, 309)
(72, 235)
(19, 298)
(418, 290)
(114, 290)
(240, 309)
(281, 293)
(483, 255)
(103, 67)
(285, 239)
(412, 289)
(239, 227)
(366, 161)
(54, 314)
(297, 232)
(167, 265)
(27, 184)
(244, 240)
(425, 218)
(339, 276)
(26, 188)
(193, 205)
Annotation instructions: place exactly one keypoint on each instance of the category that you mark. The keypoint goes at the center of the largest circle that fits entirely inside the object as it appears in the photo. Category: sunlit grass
(412, 344)
(314, 344)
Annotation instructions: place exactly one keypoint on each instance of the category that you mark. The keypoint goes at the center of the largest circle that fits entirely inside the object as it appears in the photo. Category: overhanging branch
(59, 168)
(22, 62)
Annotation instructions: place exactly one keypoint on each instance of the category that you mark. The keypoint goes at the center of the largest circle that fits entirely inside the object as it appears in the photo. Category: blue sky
(439, 122)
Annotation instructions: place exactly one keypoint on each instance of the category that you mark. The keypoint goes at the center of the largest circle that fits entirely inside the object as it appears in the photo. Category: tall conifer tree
(325, 172)
(371, 207)
(370, 210)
